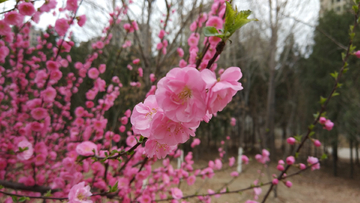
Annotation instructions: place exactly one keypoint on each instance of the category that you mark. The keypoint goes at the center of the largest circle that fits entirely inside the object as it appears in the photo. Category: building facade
(339, 6)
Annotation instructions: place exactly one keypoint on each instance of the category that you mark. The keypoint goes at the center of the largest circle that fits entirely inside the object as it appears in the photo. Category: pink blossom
(288, 184)
(49, 94)
(357, 54)
(291, 140)
(182, 63)
(193, 41)
(290, 160)
(215, 21)
(39, 113)
(61, 26)
(26, 9)
(221, 91)
(195, 142)
(193, 26)
(127, 113)
(275, 181)
(102, 68)
(232, 121)
(152, 77)
(280, 167)
(218, 164)
(322, 120)
(86, 148)
(4, 28)
(302, 166)
(25, 155)
(176, 193)
(161, 34)
(140, 71)
(136, 61)
(180, 52)
(166, 131)
(93, 73)
(81, 20)
(328, 125)
(142, 116)
(317, 143)
(181, 95)
(234, 174)
(191, 180)
(71, 5)
(13, 18)
(122, 129)
(79, 193)
(244, 159)
(152, 147)
(313, 162)
(257, 192)
(40, 159)
(159, 46)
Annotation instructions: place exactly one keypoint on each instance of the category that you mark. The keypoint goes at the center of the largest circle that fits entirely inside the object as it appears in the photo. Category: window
(338, 8)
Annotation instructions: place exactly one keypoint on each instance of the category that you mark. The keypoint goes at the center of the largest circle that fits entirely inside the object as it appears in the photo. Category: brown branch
(19, 186)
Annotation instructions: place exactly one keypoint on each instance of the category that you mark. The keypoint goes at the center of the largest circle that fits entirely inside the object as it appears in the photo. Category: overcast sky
(97, 15)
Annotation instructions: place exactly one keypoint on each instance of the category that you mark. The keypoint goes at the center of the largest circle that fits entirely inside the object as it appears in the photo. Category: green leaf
(141, 140)
(316, 114)
(311, 134)
(334, 75)
(227, 190)
(234, 19)
(211, 31)
(322, 100)
(335, 94)
(339, 85)
(14, 198)
(355, 8)
(48, 193)
(352, 48)
(311, 127)
(1, 187)
(23, 199)
(345, 70)
(2, 1)
(130, 152)
(343, 55)
(298, 138)
(323, 157)
(114, 188)
(296, 155)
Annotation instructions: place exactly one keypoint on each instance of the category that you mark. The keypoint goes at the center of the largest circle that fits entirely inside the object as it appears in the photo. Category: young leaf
(234, 19)
(323, 157)
(48, 193)
(210, 31)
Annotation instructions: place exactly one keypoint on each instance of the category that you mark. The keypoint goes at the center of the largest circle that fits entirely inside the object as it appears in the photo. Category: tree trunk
(351, 159)
(335, 156)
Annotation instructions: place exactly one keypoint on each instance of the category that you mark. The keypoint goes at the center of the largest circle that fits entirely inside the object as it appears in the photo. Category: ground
(312, 186)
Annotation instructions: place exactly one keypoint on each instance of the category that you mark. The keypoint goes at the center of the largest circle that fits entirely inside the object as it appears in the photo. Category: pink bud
(302, 166)
(357, 54)
(322, 120)
(290, 160)
(280, 167)
(281, 162)
(329, 125)
(291, 140)
(288, 184)
(275, 181)
(317, 143)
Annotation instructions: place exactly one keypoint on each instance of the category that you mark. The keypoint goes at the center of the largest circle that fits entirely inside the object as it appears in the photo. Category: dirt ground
(312, 186)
